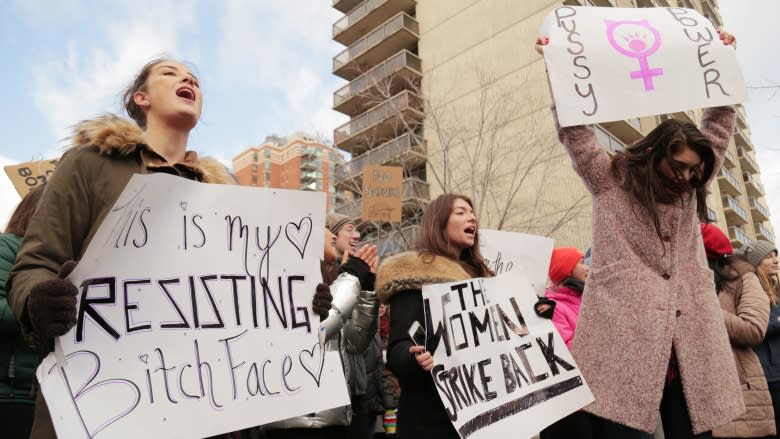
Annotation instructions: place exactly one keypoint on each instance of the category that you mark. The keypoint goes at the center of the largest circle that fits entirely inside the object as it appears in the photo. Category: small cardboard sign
(382, 193)
(26, 176)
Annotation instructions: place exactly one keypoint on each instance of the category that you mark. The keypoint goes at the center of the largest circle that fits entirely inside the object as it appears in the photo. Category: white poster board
(194, 315)
(506, 251)
(609, 64)
(500, 370)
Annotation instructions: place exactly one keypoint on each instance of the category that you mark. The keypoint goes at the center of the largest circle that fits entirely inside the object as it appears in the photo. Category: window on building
(254, 168)
(266, 176)
(267, 154)
(254, 180)
(607, 140)
(267, 165)
(254, 156)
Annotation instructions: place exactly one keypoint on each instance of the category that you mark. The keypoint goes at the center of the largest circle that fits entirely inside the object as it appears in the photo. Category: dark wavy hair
(638, 167)
(433, 240)
(725, 271)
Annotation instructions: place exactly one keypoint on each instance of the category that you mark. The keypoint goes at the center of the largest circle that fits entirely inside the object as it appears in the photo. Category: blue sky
(264, 66)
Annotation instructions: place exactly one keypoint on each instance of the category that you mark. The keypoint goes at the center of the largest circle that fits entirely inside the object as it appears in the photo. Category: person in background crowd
(567, 274)
(649, 309)
(746, 313)
(17, 359)
(165, 102)
(447, 250)
(763, 256)
(348, 278)
(347, 238)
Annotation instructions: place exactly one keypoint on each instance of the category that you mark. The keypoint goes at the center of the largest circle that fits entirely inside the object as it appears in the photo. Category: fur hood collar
(115, 136)
(410, 271)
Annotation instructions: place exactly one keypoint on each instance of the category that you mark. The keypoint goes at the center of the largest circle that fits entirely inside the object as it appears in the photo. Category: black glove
(358, 268)
(548, 313)
(322, 301)
(51, 306)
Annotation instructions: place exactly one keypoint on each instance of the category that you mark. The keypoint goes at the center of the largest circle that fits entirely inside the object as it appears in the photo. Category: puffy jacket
(17, 359)
(769, 349)
(567, 310)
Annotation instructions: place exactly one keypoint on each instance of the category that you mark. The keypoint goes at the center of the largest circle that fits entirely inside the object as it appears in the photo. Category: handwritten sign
(507, 251)
(26, 176)
(382, 193)
(609, 64)
(500, 370)
(194, 315)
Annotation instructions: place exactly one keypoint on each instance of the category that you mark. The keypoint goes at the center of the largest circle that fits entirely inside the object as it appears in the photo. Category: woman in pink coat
(651, 332)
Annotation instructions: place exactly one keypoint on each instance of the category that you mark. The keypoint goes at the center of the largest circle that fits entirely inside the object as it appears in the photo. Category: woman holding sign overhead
(165, 102)
(447, 251)
(651, 332)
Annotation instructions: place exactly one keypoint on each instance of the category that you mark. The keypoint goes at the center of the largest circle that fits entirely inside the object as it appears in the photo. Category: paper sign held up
(608, 64)
(26, 176)
(383, 192)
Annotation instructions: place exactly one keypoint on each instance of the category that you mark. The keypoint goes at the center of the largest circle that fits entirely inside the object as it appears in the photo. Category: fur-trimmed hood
(115, 136)
(410, 271)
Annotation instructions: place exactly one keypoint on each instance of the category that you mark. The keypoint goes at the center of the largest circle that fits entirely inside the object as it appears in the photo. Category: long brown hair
(20, 219)
(139, 84)
(433, 236)
(770, 285)
(637, 166)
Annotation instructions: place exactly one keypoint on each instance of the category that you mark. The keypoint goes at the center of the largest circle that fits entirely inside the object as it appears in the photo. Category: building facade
(453, 91)
(297, 162)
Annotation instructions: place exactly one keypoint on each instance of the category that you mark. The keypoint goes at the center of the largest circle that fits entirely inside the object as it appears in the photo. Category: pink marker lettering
(636, 39)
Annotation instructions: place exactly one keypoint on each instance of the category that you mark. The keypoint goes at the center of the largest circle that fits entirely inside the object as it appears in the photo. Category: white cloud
(89, 79)
(7, 193)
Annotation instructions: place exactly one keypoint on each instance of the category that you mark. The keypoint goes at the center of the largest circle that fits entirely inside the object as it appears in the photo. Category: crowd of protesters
(667, 319)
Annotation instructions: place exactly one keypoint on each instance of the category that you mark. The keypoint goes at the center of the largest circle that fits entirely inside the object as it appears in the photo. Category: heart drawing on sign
(309, 362)
(183, 205)
(298, 234)
(144, 358)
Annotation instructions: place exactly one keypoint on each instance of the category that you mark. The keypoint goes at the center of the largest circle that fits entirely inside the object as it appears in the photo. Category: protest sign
(194, 315)
(608, 64)
(26, 176)
(382, 193)
(500, 370)
(506, 251)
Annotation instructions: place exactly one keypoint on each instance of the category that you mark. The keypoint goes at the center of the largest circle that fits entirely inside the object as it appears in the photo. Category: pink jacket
(567, 311)
(644, 295)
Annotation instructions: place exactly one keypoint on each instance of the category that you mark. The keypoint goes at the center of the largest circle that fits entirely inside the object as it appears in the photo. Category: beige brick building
(453, 91)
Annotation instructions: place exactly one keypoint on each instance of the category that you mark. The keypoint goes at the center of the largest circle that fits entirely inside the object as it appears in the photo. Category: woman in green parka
(17, 359)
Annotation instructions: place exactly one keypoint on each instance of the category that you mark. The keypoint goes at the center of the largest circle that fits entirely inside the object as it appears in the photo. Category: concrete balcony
(627, 131)
(741, 118)
(345, 5)
(407, 151)
(763, 233)
(739, 238)
(398, 33)
(399, 72)
(759, 211)
(416, 194)
(685, 116)
(366, 16)
(394, 241)
(402, 113)
(742, 139)
(729, 184)
(711, 214)
(729, 160)
(735, 214)
(748, 163)
(752, 186)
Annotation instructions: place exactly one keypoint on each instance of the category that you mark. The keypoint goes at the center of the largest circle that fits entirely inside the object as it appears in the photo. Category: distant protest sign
(609, 64)
(506, 251)
(26, 176)
(194, 315)
(382, 193)
(500, 370)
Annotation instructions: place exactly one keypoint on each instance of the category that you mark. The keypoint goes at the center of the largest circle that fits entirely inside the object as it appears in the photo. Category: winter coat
(421, 413)
(17, 359)
(106, 152)
(769, 349)
(375, 366)
(646, 295)
(567, 310)
(746, 312)
(354, 337)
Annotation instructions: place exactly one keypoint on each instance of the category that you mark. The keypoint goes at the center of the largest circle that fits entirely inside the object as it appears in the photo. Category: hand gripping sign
(609, 64)
(500, 370)
(194, 315)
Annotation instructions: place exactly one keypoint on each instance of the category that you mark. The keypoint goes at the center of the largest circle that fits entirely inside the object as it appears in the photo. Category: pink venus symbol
(637, 40)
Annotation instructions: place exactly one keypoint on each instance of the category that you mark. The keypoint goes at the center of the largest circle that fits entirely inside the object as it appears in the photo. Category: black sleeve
(406, 307)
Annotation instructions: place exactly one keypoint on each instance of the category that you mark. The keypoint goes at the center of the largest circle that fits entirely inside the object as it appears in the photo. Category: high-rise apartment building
(453, 91)
(298, 161)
